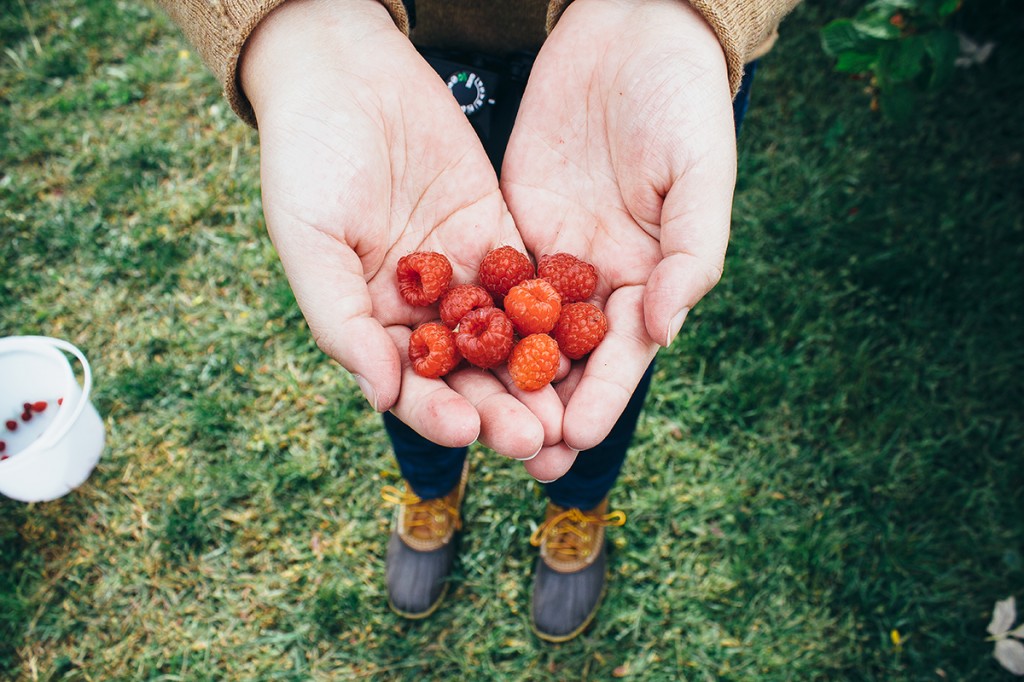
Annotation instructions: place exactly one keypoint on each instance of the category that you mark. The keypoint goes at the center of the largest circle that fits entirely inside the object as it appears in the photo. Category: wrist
(301, 40)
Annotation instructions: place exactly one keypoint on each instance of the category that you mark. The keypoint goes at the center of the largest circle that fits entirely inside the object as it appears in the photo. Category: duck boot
(569, 580)
(421, 550)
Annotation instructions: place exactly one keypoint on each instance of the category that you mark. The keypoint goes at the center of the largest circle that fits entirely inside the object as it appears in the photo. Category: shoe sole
(423, 614)
(559, 639)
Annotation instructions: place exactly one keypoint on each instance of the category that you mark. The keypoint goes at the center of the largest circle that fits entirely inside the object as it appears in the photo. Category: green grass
(832, 449)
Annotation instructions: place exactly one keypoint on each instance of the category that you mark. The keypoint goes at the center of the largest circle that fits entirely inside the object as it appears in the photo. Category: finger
(694, 234)
(611, 373)
(429, 406)
(564, 366)
(507, 426)
(544, 404)
(551, 463)
(326, 277)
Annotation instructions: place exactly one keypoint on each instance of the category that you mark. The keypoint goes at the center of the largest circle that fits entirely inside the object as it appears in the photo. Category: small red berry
(432, 350)
(571, 277)
(26, 416)
(485, 337)
(3, 445)
(11, 425)
(580, 328)
(502, 269)
(3, 457)
(39, 406)
(533, 307)
(423, 277)
(534, 362)
(60, 401)
(460, 300)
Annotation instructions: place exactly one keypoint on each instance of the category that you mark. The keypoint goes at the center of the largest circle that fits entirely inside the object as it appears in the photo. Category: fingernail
(367, 389)
(527, 459)
(546, 482)
(675, 325)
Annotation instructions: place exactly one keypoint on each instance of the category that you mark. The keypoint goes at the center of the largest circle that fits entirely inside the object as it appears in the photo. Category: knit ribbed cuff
(745, 28)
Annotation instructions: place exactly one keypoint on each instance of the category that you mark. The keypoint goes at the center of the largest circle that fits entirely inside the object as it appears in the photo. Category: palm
(362, 165)
(623, 154)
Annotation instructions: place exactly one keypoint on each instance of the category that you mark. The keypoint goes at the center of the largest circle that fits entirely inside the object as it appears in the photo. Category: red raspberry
(460, 300)
(502, 269)
(571, 277)
(432, 350)
(533, 307)
(580, 328)
(533, 362)
(485, 337)
(423, 277)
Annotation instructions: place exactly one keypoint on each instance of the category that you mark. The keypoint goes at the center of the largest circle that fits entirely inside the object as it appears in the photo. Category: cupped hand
(624, 154)
(366, 157)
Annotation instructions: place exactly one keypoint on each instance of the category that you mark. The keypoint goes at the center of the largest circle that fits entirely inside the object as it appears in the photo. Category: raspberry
(533, 307)
(432, 350)
(423, 277)
(580, 328)
(485, 337)
(460, 300)
(502, 269)
(533, 362)
(571, 277)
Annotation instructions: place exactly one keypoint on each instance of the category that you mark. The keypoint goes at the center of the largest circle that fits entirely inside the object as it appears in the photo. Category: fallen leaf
(1010, 654)
(1003, 616)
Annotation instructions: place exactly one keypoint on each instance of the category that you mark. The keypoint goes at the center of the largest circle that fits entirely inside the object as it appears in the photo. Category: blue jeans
(432, 470)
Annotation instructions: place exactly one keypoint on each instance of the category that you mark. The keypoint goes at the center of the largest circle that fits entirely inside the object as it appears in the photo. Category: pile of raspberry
(514, 315)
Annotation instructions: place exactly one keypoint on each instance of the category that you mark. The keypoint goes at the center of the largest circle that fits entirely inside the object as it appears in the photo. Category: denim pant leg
(431, 470)
(595, 471)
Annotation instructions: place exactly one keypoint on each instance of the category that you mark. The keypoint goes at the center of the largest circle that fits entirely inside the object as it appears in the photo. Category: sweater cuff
(219, 30)
(745, 28)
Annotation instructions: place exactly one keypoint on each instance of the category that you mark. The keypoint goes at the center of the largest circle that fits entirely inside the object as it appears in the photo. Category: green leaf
(948, 7)
(902, 60)
(943, 47)
(856, 62)
(840, 36)
(875, 24)
(897, 104)
(891, 6)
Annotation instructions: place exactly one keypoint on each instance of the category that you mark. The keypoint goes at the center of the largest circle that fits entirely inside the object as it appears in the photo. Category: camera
(488, 89)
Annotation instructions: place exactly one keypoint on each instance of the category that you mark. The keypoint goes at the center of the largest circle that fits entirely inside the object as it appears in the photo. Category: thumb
(695, 221)
(327, 279)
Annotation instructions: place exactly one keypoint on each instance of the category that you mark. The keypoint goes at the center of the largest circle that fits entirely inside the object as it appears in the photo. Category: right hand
(365, 157)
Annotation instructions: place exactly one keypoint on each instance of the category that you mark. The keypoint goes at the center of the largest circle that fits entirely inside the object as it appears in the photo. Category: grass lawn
(831, 453)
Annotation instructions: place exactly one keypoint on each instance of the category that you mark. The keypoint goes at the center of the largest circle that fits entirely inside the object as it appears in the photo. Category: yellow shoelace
(420, 513)
(564, 533)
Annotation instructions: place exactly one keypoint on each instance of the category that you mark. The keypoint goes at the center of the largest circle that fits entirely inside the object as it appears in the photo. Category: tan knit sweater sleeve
(219, 29)
(746, 28)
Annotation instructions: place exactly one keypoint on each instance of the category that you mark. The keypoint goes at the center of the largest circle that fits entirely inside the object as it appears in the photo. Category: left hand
(624, 155)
